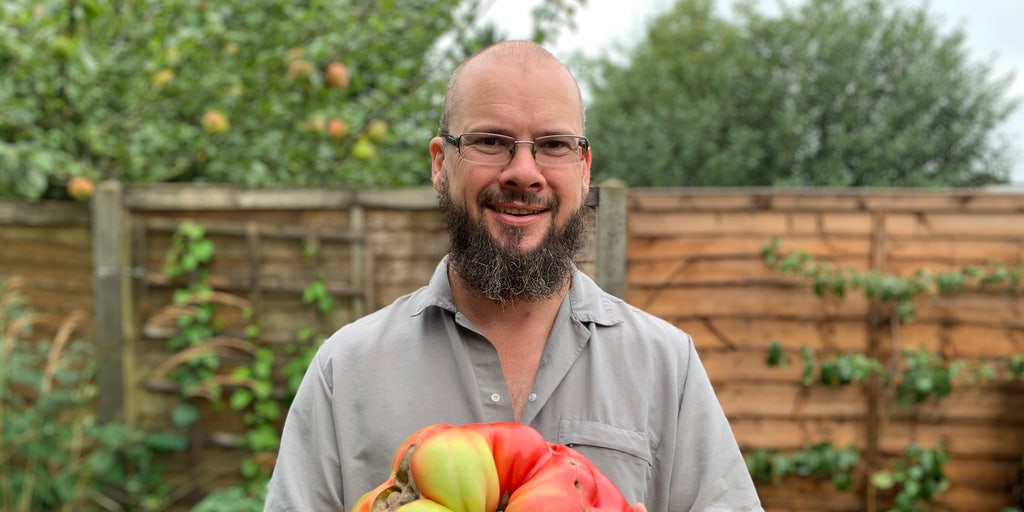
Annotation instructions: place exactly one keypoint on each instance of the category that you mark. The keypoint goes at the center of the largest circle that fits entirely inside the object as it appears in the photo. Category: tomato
(455, 468)
(518, 450)
(490, 467)
(423, 505)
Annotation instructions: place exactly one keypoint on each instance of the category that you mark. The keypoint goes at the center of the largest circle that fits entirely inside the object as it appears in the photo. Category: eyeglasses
(494, 149)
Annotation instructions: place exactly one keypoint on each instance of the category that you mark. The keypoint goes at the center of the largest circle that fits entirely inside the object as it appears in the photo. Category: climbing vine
(911, 377)
(822, 459)
(895, 290)
(918, 476)
(201, 342)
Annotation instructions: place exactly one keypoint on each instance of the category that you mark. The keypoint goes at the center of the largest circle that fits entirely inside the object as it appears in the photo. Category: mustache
(490, 196)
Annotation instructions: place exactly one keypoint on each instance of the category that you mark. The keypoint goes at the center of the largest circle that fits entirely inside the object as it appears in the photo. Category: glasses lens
(486, 148)
(494, 149)
(558, 150)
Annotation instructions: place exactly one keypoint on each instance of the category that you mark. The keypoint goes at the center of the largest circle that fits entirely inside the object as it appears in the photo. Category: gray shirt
(621, 386)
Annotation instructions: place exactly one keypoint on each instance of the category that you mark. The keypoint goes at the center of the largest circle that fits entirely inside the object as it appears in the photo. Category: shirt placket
(480, 368)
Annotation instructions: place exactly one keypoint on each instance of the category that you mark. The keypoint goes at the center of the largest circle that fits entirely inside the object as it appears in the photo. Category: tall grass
(54, 454)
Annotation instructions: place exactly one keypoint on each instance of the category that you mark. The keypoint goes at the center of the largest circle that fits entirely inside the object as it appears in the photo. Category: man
(508, 329)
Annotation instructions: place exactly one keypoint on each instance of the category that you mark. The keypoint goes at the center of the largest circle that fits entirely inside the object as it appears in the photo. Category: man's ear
(585, 177)
(436, 161)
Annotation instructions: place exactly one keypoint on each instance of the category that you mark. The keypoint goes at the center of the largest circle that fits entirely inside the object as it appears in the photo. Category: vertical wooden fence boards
(695, 259)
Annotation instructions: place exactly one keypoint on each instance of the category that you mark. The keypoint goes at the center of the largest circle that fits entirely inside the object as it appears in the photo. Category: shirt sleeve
(307, 475)
(710, 473)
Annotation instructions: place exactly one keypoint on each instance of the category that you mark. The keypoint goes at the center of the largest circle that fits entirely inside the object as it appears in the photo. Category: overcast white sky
(992, 28)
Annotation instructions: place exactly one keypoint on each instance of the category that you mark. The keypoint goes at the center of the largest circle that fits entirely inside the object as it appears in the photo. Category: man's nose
(522, 171)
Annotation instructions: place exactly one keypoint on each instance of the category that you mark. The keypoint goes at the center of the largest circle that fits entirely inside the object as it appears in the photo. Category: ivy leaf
(167, 441)
(776, 356)
(241, 399)
(184, 414)
(883, 480)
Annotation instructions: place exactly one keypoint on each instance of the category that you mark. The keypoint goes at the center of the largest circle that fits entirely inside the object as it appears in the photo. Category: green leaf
(883, 480)
(102, 461)
(776, 356)
(167, 441)
(184, 414)
(241, 399)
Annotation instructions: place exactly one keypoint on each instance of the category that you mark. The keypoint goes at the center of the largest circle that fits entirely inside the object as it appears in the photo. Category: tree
(261, 92)
(846, 93)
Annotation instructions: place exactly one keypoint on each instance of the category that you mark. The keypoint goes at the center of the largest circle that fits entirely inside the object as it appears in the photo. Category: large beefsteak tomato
(490, 467)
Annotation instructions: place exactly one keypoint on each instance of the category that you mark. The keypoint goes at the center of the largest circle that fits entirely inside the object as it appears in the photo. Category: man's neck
(518, 330)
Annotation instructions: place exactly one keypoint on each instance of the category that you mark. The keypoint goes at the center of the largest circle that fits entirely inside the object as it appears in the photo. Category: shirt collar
(588, 302)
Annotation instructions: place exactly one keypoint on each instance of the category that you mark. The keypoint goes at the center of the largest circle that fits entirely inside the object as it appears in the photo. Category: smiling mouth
(515, 211)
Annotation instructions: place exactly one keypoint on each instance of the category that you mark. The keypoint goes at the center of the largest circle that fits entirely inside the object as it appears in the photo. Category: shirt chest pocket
(623, 455)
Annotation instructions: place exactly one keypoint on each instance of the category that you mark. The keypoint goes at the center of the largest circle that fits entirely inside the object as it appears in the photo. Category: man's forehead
(493, 84)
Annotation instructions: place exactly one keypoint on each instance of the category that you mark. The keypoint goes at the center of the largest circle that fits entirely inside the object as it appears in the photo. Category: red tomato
(490, 467)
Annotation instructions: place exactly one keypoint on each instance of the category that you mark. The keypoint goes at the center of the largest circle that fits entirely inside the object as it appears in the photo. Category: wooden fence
(365, 247)
(695, 258)
(691, 256)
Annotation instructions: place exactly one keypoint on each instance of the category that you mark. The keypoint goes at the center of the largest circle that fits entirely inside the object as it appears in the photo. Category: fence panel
(695, 259)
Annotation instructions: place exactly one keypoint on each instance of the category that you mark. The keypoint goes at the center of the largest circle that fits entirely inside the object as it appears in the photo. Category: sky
(991, 26)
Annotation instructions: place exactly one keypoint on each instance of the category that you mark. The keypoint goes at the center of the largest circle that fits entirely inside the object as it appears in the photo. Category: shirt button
(495, 398)
(533, 396)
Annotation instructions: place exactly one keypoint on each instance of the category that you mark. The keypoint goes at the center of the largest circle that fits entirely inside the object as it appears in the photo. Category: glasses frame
(456, 140)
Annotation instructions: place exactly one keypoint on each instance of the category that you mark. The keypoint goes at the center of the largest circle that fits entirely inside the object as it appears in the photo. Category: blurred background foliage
(842, 93)
(346, 93)
(261, 92)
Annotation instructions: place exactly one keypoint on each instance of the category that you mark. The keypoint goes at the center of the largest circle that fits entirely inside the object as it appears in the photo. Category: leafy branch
(821, 460)
(201, 339)
(888, 288)
(923, 375)
(919, 475)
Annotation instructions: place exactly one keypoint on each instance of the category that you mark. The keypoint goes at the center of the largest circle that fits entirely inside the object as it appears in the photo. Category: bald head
(525, 55)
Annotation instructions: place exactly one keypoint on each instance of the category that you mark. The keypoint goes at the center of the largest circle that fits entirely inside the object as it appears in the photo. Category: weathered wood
(43, 213)
(611, 238)
(693, 258)
(816, 494)
(788, 434)
(770, 302)
(111, 269)
(822, 199)
(752, 333)
(960, 225)
(660, 248)
(766, 225)
(185, 197)
(793, 401)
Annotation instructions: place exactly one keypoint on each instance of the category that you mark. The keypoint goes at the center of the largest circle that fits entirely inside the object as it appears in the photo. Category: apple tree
(261, 92)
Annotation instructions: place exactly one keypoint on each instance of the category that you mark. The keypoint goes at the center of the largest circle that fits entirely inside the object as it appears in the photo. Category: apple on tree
(80, 188)
(337, 129)
(214, 122)
(336, 75)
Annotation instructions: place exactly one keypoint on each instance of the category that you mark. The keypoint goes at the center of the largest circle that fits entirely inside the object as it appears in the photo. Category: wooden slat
(960, 225)
(894, 200)
(765, 224)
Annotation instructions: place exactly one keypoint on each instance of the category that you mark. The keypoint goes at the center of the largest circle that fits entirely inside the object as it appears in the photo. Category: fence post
(110, 282)
(611, 237)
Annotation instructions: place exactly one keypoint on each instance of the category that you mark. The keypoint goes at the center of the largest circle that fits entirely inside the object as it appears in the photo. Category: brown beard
(502, 273)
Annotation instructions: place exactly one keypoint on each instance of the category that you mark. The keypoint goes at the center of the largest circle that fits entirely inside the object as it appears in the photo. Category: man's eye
(555, 144)
(560, 144)
(489, 141)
